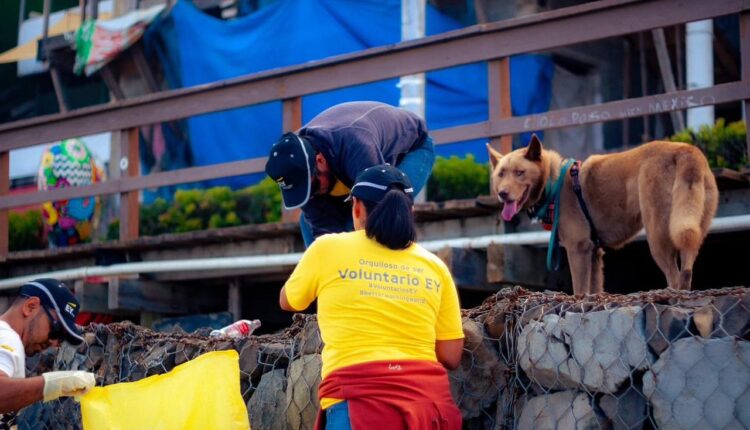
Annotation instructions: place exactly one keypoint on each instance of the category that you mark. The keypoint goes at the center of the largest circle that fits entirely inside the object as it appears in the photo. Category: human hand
(67, 383)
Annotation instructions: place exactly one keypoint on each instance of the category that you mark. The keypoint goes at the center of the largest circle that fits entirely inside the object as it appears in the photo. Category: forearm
(17, 393)
(449, 352)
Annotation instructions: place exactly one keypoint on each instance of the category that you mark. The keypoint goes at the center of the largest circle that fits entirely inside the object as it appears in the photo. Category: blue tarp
(296, 31)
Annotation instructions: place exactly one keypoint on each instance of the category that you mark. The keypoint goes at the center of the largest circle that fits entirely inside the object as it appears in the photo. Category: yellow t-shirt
(375, 303)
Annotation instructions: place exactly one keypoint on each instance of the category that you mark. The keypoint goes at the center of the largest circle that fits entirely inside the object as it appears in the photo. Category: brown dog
(667, 187)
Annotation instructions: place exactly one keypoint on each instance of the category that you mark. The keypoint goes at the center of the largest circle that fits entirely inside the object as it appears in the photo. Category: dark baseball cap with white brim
(374, 182)
(55, 296)
(291, 163)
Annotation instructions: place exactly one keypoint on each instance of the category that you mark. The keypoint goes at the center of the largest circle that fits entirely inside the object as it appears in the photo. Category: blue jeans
(417, 165)
(337, 417)
(306, 229)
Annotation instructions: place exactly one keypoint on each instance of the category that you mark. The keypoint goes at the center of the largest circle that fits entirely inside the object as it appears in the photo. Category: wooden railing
(494, 43)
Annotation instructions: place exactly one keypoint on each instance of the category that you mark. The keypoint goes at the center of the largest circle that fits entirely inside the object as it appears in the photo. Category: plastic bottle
(241, 328)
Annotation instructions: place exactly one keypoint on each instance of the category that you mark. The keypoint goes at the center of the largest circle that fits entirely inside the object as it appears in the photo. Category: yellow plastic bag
(203, 393)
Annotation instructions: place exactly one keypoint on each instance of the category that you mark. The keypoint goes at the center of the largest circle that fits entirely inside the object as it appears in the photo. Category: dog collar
(551, 193)
(550, 214)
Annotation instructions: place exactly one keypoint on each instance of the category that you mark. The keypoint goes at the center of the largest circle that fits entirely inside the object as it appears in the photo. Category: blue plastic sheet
(196, 48)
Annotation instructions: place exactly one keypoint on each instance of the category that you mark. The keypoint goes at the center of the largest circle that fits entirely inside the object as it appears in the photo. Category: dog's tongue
(509, 210)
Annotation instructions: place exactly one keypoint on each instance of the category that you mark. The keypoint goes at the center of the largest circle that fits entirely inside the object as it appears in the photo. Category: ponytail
(391, 222)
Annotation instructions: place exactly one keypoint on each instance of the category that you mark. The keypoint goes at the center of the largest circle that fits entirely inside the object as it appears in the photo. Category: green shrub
(196, 209)
(26, 230)
(259, 203)
(113, 230)
(149, 218)
(458, 178)
(724, 145)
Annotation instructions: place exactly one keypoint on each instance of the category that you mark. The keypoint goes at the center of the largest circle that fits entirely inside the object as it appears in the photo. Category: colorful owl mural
(69, 164)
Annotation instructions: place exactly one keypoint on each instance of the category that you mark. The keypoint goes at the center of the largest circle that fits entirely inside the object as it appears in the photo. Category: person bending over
(316, 167)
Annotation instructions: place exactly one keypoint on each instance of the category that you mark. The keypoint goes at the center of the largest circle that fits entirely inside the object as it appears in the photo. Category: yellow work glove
(67, 383)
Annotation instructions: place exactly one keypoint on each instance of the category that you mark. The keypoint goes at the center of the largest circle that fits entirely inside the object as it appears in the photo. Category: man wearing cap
(43, 314)
(316, 167)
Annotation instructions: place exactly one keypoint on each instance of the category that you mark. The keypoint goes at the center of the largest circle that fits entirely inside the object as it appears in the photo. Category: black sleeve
(328, 214)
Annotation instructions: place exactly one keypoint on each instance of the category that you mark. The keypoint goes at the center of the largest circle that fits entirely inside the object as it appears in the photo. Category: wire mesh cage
(662, 359)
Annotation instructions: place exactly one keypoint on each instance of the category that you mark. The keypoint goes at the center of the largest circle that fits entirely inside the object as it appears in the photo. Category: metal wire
(660, 359)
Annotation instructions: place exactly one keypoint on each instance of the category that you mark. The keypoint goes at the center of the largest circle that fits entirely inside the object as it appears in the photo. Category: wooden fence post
(234, 296)
(291, 121)
(4, 191)
(129, 167)
(745, 69)
(498, 86)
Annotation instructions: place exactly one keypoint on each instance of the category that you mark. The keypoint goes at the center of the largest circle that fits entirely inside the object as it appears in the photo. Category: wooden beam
(136, 52)
(82, 10)
(113, 294)
(679, 55)
(723, 48)
(627, 58)
(291, 121)
(57, 85)
(4, 191)
(94, 9)
(46, 8)
(292, 114)
(111, 82)
(604, 112)
(667, 77)
(643, 68)
(129, 204)
(571, 25)
(727, 179)
(480, 11)
(125, 184)
(610, 111)
(499, 99)
(234, 298)
(745, 73)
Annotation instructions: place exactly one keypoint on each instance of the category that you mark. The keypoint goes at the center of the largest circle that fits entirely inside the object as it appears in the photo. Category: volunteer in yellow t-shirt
(388, 312)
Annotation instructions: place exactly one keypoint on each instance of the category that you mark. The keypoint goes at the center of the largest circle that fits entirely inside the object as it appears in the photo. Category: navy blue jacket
(353, 136)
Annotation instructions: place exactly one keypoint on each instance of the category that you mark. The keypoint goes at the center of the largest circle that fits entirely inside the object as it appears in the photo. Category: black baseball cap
(374, 182)
(291, 164)
(55, 296)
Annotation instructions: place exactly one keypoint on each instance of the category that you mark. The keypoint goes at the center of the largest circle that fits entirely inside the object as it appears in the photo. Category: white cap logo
(283, 185)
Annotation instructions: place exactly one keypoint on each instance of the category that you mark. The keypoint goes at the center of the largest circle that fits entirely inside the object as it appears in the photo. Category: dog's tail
(689, 209)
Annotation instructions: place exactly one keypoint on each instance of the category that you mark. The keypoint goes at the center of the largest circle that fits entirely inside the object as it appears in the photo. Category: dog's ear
(495, 156)
(534, 150)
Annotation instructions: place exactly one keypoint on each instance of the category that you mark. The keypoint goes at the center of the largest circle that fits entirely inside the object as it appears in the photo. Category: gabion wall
(662, 359)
